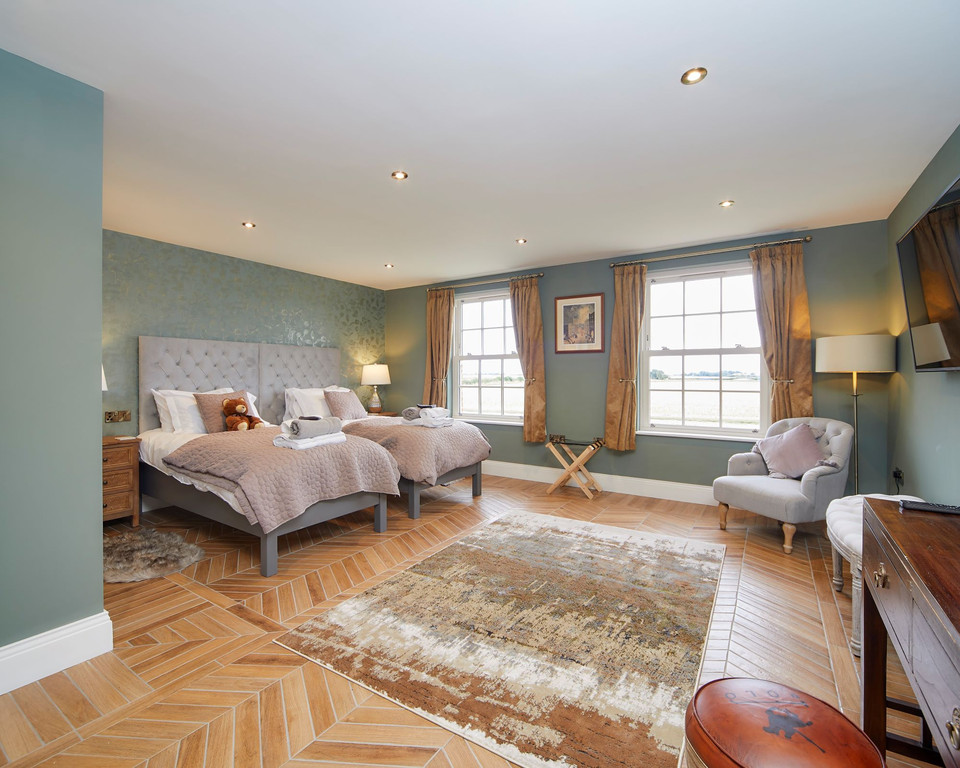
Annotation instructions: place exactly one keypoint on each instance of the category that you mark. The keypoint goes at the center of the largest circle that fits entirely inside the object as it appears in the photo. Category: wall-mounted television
(930, 271)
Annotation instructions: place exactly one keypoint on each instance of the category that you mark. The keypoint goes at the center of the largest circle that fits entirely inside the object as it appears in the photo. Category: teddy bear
(237, 419)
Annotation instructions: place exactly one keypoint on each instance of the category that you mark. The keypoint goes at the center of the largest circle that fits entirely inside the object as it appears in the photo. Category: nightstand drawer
(117, 504)
(120, 456)
(120, 477)
(121, 480)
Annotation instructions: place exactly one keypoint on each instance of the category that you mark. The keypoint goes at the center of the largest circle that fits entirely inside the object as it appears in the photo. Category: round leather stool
(744, 723)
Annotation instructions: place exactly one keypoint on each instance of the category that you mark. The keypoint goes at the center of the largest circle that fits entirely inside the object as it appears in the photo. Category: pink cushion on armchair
(792, 453)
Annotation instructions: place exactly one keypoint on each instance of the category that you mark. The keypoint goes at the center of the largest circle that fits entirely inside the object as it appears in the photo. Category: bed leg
(413, 502)
(268, 554)
(477, 481)
(380, 514)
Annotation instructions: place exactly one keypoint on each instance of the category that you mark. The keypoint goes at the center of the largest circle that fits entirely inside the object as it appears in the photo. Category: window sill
(490, 421)
(701, 436)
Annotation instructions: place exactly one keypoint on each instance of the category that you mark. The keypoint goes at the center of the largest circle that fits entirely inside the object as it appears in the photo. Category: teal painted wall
(846, 270)
(51, 160)
(925, 407)
(152, 288)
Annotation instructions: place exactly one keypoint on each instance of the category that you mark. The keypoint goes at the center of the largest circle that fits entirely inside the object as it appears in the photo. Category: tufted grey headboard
(263, 369)
(283, 365)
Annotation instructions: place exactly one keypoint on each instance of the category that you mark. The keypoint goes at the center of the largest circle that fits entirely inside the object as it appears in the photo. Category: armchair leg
(788, 530)
(837, 570)
(724, 508)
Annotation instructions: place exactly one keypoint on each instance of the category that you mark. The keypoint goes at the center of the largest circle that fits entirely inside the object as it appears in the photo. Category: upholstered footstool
(744, 723)
(845, 531)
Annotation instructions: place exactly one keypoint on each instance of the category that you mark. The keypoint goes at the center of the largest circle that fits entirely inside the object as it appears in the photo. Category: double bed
(267, 370)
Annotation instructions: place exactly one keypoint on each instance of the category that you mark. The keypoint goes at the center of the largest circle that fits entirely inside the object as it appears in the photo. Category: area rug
(549, 641)
(146, 553)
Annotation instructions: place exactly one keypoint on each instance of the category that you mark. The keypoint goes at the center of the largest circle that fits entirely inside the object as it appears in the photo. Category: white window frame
(457, 356)
(643, 370)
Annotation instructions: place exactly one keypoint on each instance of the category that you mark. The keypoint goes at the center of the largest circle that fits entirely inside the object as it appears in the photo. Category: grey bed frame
(412, 488)
(266, 370)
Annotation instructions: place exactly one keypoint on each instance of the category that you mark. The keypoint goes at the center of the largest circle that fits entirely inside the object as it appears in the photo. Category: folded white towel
(421, 422)
(434, 414)
(283, 441)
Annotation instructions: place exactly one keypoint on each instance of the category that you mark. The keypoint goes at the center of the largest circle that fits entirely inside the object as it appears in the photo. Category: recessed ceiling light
(399, 175)
(247, 224)
(521, 241)
(726, 203)
(693, 76)
(388, 266)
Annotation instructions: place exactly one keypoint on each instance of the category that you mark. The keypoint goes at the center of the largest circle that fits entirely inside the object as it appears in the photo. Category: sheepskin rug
(146, 554)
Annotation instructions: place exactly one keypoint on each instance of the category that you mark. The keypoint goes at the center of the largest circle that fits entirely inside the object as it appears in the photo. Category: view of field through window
(489, 378)
(704, 361)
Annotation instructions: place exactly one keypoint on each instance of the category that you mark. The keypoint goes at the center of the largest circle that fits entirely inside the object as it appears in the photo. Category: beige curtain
(784, 318)
(937, 238)
(620, 426)
(528, 326)
(439, 335)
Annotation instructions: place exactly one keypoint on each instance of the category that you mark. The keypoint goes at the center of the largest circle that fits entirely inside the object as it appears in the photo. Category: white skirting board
(633, 486)
(32, 658)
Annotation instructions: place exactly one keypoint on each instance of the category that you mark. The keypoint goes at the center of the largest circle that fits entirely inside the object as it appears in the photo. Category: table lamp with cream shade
(869, 353)
(374, 376)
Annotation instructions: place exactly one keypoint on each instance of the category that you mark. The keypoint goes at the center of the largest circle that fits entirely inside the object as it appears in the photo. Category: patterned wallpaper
(151, 288)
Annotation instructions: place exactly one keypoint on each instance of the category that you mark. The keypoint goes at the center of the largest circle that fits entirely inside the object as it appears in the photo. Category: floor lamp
(873, 353)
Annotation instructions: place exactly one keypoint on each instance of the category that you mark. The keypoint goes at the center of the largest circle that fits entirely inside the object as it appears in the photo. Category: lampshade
(103, 379)
(375, 374)
(871, 353)
(929, 346)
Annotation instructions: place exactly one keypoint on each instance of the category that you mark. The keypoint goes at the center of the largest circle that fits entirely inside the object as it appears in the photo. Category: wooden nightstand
(384, 413)
(121, 479)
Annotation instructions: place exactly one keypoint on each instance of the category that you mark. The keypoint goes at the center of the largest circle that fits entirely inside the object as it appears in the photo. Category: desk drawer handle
(953, 729)
(881, 581)
(104, 505)
(105, 459)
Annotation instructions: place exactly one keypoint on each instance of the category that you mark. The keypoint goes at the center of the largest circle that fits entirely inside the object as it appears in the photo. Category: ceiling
(561, 121)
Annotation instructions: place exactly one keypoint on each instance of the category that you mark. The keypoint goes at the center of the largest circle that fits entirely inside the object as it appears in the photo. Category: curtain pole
(486, 282)
(731, 249)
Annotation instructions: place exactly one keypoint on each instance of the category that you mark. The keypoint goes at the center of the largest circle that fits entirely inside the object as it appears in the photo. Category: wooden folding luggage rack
(577, 468)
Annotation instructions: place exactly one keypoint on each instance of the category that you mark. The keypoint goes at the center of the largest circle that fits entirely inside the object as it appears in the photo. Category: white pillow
(178, 410)
(252, 406)
(304, 402)
(336, 388)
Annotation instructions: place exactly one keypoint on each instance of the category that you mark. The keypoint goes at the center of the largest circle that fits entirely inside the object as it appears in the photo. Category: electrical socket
(110, 417)
(898, 475)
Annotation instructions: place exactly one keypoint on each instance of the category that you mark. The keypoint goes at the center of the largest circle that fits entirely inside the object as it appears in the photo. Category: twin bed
(363, 470)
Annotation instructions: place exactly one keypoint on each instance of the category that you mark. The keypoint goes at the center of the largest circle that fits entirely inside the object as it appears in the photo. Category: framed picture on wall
(579, 323)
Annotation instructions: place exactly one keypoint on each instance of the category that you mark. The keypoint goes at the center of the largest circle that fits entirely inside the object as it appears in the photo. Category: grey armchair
(748, 486)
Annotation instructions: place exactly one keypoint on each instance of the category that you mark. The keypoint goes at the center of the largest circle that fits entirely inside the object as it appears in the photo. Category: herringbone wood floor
(195, 679)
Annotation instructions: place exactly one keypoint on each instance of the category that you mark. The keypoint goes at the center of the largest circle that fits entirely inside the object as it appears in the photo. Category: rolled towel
(288, 441)
(434, 414)
(411, 413)
(311, 426)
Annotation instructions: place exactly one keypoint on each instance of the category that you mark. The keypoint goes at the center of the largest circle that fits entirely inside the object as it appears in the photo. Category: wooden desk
(911, 571)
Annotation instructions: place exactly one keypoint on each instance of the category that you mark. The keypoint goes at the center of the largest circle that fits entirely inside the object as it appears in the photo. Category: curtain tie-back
(531, 380)
(627, 381)
(782, 381)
